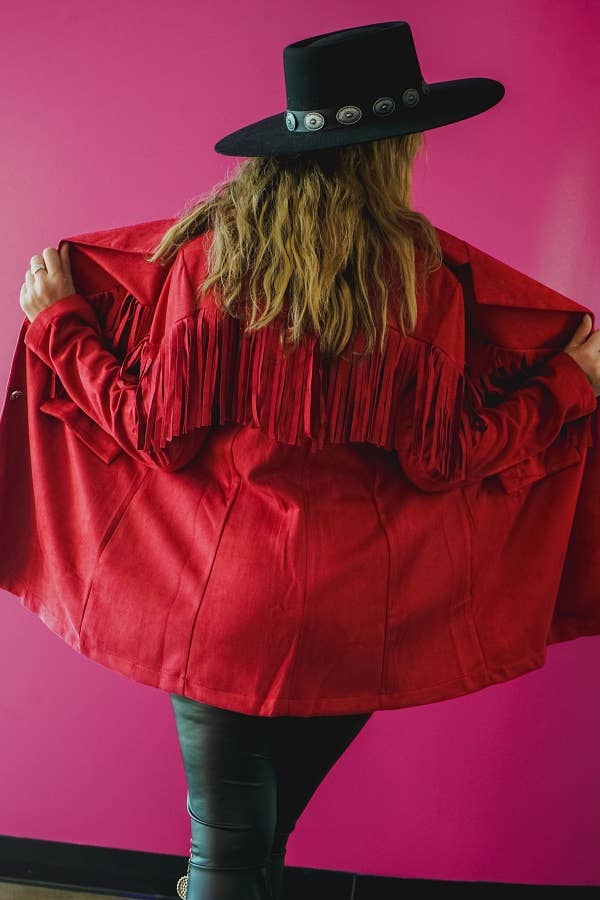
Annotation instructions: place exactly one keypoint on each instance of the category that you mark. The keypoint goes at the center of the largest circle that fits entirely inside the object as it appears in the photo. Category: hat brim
(446, 102)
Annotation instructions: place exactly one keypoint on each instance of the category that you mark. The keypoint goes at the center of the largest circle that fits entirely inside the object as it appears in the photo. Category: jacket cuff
(73, 304)
(572, 385)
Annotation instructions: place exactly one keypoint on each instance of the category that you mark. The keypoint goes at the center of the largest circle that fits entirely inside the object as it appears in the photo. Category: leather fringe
(124, 325)
(124, 320)
(210, 372)
(207, 374)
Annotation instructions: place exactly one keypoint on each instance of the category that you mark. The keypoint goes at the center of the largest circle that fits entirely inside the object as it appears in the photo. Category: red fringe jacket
(279, 536)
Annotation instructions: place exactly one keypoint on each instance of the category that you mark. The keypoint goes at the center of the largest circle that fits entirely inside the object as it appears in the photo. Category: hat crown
(351, 65)
(357, 85)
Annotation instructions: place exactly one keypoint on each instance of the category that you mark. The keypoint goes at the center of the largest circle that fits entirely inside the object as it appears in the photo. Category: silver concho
(313, 121)
(348, 115)
(410, 97)
(290, 121)
(384, 106)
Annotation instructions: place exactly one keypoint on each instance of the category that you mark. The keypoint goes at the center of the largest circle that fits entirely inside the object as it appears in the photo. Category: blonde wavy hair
(305, 234)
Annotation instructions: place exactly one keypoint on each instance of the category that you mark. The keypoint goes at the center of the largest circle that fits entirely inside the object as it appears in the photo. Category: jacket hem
(476, 679)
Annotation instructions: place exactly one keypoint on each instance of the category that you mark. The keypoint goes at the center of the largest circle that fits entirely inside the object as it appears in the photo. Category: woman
(318, 225)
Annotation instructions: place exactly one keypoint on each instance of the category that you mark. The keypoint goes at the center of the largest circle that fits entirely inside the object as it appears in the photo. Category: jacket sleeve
(66, 335)
(521, 426)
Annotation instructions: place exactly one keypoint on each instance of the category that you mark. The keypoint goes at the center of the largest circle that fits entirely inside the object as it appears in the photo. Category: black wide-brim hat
(356, 85)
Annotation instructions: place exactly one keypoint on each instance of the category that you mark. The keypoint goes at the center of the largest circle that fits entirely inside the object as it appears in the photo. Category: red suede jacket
(277, 535)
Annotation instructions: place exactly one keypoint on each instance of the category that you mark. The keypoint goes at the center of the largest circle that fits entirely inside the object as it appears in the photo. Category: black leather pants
(249, 778)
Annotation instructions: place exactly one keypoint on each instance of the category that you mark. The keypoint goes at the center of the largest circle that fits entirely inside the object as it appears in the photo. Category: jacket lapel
(506, 308)
(115, 257)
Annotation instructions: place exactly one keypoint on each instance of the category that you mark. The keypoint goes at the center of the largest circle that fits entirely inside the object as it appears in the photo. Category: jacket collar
(495, 283)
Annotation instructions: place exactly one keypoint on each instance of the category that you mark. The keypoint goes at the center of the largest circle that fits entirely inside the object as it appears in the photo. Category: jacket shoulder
(140, 237)
(454, 249)
(494, 282)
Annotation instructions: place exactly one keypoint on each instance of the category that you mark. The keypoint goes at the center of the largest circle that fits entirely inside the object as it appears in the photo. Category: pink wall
(105, 125)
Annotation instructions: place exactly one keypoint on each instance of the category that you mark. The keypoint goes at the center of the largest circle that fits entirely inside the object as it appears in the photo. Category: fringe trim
(124, 320)
(124, 325)
(210, 372)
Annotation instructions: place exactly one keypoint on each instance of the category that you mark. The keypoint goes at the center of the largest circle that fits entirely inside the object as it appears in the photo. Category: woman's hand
(47, 285)
(584, 348)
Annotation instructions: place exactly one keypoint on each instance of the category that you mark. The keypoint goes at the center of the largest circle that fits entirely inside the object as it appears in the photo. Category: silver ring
(38, 266)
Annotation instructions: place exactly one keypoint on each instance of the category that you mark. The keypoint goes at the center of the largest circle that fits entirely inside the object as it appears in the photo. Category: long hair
(305, 235)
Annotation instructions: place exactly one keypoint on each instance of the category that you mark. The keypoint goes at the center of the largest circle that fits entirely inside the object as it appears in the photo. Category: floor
(10, 891)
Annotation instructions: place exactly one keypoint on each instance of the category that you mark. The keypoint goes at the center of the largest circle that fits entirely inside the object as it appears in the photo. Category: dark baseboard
(136, 874)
